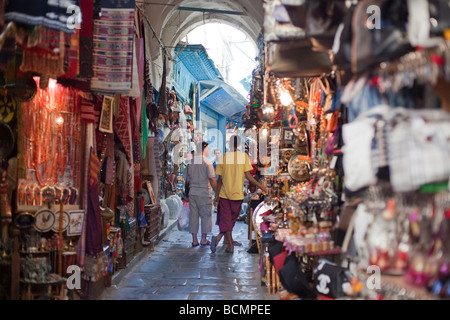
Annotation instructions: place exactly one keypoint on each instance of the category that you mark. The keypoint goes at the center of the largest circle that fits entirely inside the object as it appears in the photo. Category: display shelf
(323, 252)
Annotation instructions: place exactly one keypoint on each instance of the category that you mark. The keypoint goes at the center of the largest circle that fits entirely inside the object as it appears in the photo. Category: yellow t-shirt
(232, 166)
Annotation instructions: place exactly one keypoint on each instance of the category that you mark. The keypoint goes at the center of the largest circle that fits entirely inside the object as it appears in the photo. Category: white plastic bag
(175, 204)
(165, 213)
(183, 219)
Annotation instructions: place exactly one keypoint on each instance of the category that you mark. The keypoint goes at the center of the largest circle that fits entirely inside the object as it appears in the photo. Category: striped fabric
(113, 38)
(87, 111)
(94, 169)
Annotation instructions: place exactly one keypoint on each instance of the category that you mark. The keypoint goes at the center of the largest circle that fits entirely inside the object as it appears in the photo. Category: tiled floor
(177, 271)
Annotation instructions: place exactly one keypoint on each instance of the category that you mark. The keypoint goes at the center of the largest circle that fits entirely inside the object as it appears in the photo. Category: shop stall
(353, 132)
(81, 158)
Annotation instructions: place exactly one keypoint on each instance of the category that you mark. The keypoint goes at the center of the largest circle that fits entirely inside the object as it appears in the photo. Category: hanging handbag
(440, 14)
(293, 60)
(418, 145)
(373, 45)
(322, 21)
(294, 280)
(331, 280)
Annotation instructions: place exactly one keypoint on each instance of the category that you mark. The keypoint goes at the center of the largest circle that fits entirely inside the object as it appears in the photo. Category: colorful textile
(93, 217)
(44, 52)
(71, 55)
(113, 39)
(87, 110)
(122, 127)
(142, 222)
(109, 174)
(94, 247)
(81, 246)
(49, 13)
(144, 124)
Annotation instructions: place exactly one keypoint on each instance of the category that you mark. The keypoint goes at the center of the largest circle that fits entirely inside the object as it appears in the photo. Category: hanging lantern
(266, 113)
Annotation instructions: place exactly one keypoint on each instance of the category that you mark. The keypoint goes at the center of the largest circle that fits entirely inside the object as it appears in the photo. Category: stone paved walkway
(177, 271)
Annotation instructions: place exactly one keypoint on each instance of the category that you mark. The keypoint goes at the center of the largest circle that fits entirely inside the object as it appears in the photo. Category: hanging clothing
(94, 246)
(86, 40)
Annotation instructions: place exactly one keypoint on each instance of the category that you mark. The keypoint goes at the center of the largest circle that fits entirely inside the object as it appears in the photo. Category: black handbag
(331, 280)
(187, 183)
(322, 21)
(294, 280)
(292, 59)
(440, 14)
(371, 46)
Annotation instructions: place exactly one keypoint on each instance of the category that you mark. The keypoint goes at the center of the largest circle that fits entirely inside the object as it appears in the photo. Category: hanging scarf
(86, 42)
(72, 47)
(94, 246)
(94, 239)
(144, 125)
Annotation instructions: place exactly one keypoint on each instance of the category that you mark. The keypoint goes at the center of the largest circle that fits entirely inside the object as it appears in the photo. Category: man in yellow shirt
(231, 170)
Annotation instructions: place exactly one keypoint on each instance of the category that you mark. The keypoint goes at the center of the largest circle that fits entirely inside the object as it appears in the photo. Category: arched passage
(171, 21)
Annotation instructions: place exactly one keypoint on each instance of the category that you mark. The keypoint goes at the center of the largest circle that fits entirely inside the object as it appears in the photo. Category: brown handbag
(291, 59)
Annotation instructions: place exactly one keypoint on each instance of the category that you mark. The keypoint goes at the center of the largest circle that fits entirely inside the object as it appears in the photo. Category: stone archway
(171, 21)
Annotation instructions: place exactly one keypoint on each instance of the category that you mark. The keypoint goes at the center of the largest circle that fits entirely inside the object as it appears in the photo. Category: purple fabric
(227, 214)
(93, 218)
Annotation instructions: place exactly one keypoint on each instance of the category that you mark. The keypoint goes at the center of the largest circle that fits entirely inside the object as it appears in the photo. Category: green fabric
(144, 136)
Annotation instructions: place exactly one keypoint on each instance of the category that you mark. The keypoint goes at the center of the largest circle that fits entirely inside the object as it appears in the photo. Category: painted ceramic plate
(66, 219)
(44, 220)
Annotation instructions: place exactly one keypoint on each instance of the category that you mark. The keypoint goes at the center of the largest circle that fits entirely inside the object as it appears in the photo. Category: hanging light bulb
(59, 121)
(265, 132)
(51, 83)
(285, 98)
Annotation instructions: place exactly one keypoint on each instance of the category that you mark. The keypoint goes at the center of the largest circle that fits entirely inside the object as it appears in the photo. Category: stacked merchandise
(77, 109)
(355, 144)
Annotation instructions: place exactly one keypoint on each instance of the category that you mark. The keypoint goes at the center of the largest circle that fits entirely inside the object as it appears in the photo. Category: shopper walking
(231, 169)
(202, 181)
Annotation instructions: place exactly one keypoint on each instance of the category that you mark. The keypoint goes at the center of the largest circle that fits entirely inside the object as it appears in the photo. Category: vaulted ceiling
(169, 21)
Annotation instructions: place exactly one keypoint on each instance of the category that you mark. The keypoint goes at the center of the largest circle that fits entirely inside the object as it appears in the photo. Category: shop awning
(196, 60)
(221, 97)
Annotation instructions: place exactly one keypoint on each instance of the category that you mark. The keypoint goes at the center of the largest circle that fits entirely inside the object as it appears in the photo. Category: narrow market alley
(177, 271)
(322, 126)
